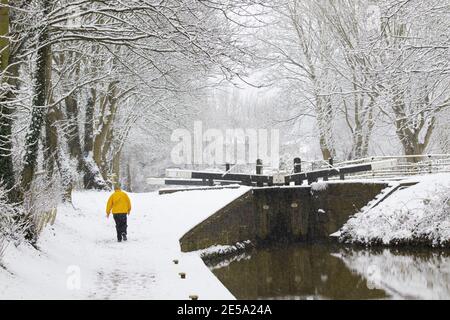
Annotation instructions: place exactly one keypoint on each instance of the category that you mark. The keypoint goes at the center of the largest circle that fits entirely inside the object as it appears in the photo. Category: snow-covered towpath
(79, 258)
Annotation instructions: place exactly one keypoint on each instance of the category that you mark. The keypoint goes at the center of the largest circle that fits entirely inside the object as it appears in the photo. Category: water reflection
(330, 272)
(419, 274)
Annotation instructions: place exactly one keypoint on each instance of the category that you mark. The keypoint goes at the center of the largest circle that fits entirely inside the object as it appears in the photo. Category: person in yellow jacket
(120, 205)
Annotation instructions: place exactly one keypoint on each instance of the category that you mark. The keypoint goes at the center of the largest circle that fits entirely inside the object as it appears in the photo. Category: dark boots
(121, 226)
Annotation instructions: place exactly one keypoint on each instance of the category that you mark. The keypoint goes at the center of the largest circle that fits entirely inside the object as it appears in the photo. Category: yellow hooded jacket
(118, 203)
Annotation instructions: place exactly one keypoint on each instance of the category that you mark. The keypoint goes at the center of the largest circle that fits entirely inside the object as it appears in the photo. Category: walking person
(120, 205)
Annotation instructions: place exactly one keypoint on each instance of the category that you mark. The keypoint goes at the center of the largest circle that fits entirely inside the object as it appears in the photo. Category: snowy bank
(419, 214)
(221, 252)
(79, 258)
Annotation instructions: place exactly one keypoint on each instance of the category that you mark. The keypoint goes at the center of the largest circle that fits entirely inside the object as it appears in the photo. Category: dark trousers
(121, 225)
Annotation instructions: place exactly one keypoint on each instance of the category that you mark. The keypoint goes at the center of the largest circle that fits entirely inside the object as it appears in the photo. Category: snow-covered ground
(79, 257)
(418, 214)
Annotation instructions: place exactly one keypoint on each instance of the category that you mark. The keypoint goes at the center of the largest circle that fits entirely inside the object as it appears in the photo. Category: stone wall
(333, 206)
(233, 222)
(277, 214)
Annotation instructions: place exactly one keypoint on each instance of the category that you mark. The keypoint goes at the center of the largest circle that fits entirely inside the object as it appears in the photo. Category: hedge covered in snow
(416, 215)
(10, 229)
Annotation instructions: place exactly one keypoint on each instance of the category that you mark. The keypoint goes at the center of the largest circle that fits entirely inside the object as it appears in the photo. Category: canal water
(318, 271)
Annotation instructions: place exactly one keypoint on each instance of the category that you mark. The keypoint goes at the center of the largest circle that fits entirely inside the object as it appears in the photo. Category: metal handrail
(429, 163)
(393, 157)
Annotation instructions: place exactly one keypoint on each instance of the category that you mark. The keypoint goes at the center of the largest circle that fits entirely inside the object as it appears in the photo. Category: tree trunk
(50, 144)
(4, 34)
(9, 75)
(370, 124)
(42, 76)
(362, 130)
(324, 122)
(326, 152)
(54, 154)
(92, 178)
(129, 186)
(409, 134)
(89, 123)
(105, 166)
(116, 166)
(103, 140)
(73, 131)
(412, 146)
